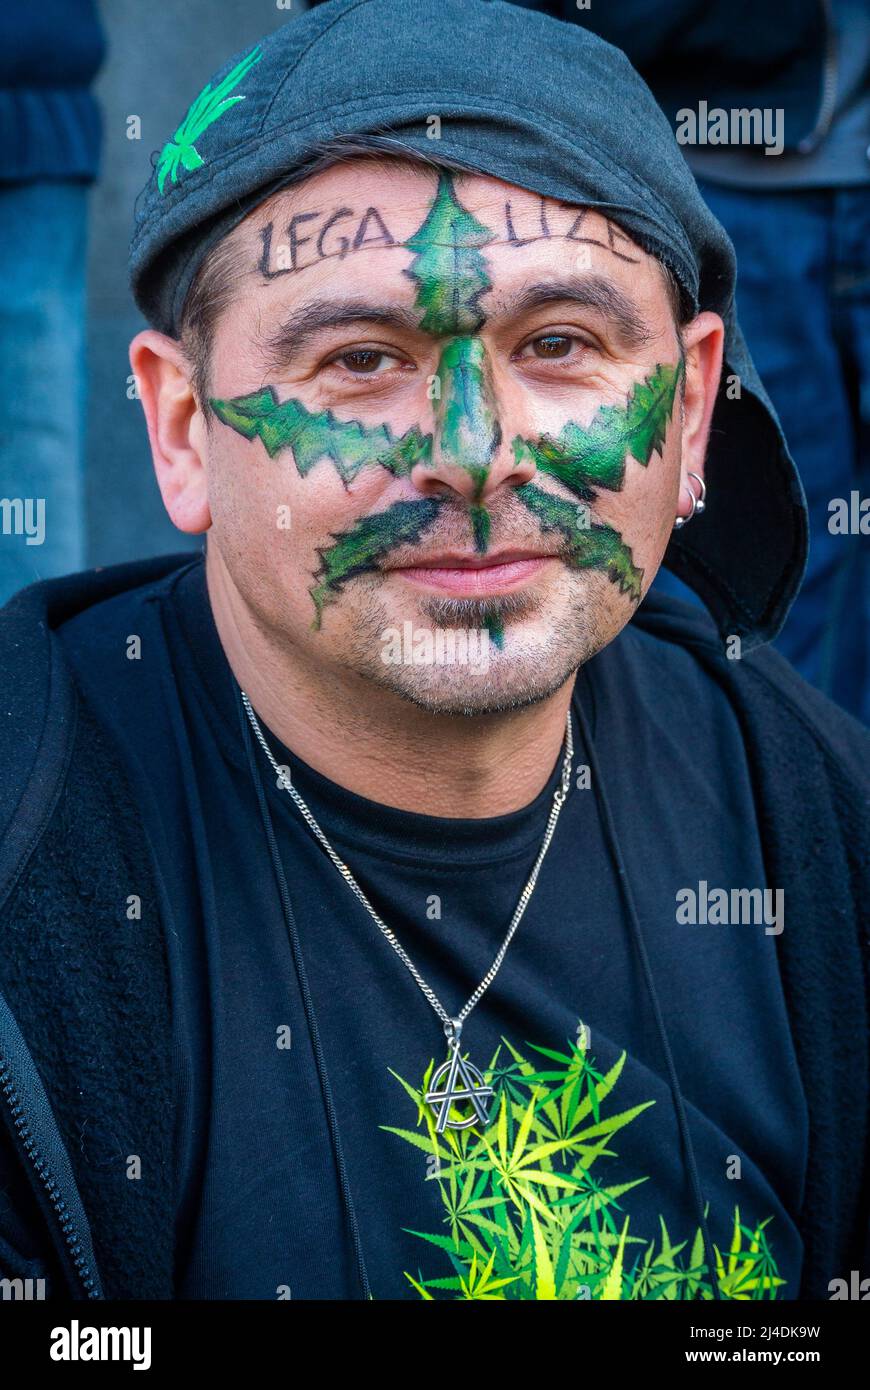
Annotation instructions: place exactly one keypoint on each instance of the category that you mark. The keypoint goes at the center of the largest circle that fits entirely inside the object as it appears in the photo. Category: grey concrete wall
(159, 58)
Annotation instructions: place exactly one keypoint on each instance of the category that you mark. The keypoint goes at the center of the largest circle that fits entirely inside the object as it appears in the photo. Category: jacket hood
(541, 104)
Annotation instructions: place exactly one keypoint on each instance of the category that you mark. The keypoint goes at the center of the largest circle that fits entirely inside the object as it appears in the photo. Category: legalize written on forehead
(310, 237)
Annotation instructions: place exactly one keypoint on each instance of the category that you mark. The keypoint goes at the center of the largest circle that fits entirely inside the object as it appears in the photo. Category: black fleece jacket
(86, 1086)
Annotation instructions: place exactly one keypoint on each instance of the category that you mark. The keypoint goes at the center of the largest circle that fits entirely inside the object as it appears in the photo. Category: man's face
(443, 404)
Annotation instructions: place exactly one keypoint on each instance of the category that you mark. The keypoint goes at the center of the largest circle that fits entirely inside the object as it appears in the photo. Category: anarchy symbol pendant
(464, 1083)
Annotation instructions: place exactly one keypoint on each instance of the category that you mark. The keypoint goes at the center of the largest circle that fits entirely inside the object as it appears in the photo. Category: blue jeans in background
(803, 301)
(42, 380)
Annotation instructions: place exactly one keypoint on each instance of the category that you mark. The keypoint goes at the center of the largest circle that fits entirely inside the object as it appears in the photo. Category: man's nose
(470, 456)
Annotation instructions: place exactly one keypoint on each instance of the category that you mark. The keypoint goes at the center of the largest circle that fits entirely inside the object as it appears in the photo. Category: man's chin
(474, 670)
(462, 693)
(471, 656)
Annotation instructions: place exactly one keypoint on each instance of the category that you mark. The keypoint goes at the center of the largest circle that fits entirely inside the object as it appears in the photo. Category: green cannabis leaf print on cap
(181, 151)
(528, 1213)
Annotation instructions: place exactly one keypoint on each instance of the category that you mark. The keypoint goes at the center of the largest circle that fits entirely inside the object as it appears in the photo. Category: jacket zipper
(65, 1221)
(829, 86)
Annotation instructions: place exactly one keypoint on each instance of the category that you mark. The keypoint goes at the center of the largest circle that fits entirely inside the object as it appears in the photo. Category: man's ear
(176, 428)
(704, 340)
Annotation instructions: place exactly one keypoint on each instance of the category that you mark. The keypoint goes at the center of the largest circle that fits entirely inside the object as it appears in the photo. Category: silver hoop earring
(698, 503)
(702, 502)
(681, 520)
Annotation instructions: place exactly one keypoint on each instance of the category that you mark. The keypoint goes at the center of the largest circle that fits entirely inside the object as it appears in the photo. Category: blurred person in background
(799, 218)
(49, 151)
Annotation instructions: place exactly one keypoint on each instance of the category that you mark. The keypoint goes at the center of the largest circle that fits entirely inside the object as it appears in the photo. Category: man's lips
(471, 574)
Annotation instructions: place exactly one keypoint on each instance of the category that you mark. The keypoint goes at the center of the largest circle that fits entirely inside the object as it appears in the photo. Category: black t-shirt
(301, 1042)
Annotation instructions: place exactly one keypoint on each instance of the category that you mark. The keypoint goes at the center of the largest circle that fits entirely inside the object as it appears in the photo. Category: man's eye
(364, 361)
(553, 345)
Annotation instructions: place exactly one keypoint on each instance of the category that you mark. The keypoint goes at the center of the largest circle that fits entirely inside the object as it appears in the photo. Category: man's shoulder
(79, 884)
(33, 617)
(39, 696)
(52, 602)
(777, 708)
(112, 610)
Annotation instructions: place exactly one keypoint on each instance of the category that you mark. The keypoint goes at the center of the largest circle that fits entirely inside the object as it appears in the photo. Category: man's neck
(376, 743)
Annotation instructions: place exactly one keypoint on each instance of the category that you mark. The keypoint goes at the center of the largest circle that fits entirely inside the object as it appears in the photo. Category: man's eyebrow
(591, 292)
(280, 347)
(304, 323)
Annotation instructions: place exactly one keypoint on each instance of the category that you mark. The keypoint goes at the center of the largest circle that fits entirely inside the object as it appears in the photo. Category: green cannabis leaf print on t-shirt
(528, 1213)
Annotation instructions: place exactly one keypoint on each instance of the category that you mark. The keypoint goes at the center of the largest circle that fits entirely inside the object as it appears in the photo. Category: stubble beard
(527, 672)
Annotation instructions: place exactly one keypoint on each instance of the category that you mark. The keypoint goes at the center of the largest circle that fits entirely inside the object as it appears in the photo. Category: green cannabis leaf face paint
(469, 430)
(583, 456)
(451, 274)
(495, 627)
(463, 371)
(449, 269)
(590, 457)
(598, 547)
(348, 445)
(366, 544)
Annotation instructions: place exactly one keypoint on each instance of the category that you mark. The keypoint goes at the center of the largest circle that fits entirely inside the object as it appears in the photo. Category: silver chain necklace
(456, 1080)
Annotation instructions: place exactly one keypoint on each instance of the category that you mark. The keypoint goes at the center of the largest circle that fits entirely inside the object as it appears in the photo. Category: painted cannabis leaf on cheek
(586, 459)
(451, 274)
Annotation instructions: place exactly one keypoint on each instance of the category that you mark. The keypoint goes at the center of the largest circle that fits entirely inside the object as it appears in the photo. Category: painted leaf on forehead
(596, 547)
(313, 435)
(366, 544)
(211, 103)
(594, 455)
(449, 268)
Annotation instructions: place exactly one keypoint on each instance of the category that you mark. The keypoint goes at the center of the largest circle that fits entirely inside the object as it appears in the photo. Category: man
(393, 907)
